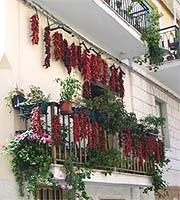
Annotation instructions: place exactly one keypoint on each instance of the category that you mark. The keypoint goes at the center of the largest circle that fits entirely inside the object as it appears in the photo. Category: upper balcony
(110, 25)
(169, 72)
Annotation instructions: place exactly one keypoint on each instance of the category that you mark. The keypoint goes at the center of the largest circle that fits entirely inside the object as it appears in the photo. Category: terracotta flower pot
(66, 107)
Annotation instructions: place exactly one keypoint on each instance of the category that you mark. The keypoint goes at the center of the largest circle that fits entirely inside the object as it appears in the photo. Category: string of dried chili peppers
(95, 134)
(58, 46)
(94, 67)
(36, 122)
(86, 93)
(127, 143)
(67, 56)
(35, 29)
(85, 66)
(76, 128)
(56, 129)
(47, 40)
(74, 54)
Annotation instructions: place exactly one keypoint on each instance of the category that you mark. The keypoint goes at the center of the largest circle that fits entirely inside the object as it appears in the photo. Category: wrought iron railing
(133, 12)
(170, 42)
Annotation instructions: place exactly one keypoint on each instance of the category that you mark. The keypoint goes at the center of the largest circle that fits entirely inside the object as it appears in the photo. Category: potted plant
(14, 98)
(69, 88)
(35, 97)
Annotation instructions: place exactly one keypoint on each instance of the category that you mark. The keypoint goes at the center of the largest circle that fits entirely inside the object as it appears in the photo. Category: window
(47, 193)
(161, 111)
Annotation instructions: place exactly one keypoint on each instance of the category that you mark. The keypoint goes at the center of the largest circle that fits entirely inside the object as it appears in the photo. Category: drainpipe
(174, 11)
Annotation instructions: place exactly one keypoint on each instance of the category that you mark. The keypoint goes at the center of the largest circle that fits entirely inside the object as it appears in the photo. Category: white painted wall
(25, 68)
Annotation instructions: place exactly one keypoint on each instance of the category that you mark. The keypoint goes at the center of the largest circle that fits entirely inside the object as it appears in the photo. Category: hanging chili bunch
(85, 125)
(87, 90)
(120, 87)
(76, 128)
(127, 143)
(74, 54)
(89, 132)
(67, 56)
(47, 40)
(82, 124)
(85, 66)
(105, 77)
(58, 46)
(138, 150)
(79, 58)
(56, 129)
(159, 151)
(102, 140)
(36, 122)
(100, 66)
(94, 67)
(112, 80)
(95, 134)
(150, 147)
(35, 29)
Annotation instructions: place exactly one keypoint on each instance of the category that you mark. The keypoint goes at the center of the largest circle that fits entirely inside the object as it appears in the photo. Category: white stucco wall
(25, 68)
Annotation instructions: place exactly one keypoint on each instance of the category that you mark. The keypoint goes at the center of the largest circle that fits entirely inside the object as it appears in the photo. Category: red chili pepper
(56, 130)
(87, 90)
(76, 128)
(47, 40)
(36, 122)
(58, 46)
(35, 29)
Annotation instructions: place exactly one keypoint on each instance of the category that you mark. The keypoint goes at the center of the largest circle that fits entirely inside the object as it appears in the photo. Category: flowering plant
(30, 155)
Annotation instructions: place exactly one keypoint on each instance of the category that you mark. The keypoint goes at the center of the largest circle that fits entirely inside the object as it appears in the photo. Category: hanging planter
(16, 100)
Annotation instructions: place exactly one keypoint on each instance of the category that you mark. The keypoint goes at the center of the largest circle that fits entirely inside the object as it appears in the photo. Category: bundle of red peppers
(35, 29)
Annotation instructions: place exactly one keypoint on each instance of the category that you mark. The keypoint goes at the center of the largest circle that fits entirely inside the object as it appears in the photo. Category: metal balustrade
(170, 42)
(133, 12)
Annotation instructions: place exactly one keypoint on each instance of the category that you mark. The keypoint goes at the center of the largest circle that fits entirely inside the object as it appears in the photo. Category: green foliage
(112, 114)
(152, 36)
(152, 123)
(35, 95)
(158, 183)
(74, 178)
(110, 159)
(30, 161)
(69, 88)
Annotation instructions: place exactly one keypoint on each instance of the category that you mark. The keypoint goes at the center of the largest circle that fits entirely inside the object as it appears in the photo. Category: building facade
(102, 26)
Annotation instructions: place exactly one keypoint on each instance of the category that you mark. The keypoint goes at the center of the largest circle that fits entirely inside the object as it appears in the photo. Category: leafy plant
(30, 160)
(152, 123)
(74, 178)
(112, 114)
(152, 36)
(69, 88)
(36, 95)
(159, 185)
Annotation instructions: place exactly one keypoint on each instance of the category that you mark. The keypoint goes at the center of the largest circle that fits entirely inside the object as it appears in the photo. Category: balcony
(104, 24)
(137, 14)
(169, 72)
(128, 170)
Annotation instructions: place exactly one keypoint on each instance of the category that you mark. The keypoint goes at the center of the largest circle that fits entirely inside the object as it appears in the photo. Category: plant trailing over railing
(152, 36)
(75, 180)
(30, 156)
(159, 185)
